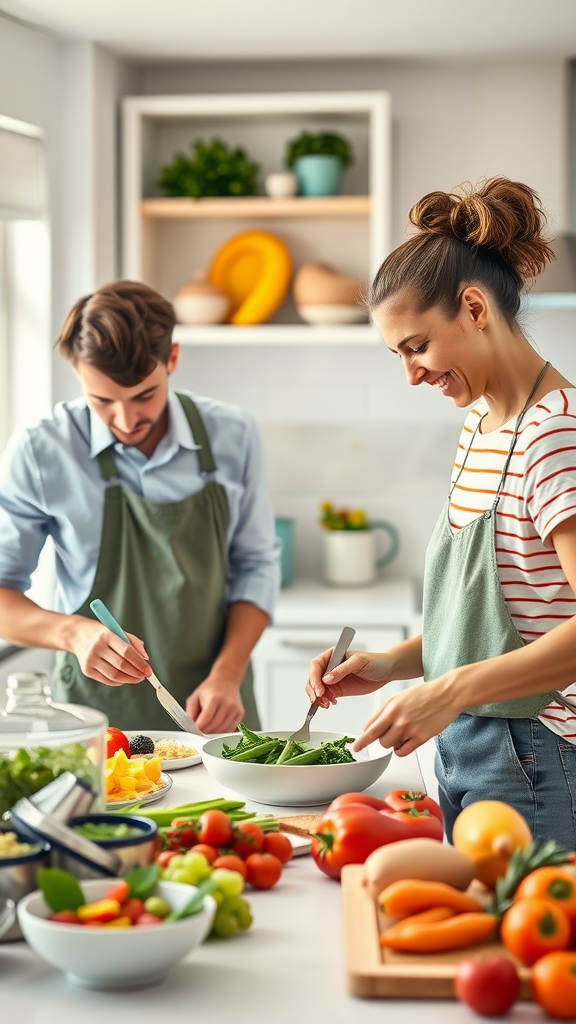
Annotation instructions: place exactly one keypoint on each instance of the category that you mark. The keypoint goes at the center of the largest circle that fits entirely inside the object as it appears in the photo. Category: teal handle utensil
(107, 619)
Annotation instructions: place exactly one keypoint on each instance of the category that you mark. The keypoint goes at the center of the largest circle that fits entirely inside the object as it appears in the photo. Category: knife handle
(107, 619)
(339, 653)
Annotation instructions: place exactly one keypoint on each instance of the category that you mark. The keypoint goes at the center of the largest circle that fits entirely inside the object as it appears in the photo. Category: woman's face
(450, 355)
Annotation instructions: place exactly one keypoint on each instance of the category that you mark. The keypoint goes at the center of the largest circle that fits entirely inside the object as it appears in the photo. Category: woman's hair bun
(496, 213)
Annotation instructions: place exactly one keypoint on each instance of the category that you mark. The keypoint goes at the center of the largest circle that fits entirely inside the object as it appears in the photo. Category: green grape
(230, 883)
(158, 906)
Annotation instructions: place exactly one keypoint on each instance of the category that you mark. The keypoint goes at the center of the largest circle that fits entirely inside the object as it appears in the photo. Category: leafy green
(195, 903)
(521, 863)
(319, 144)
(256, 749)
(213, 170)
(30, 770)
(60, 889)
(101, 830)
(143, 881)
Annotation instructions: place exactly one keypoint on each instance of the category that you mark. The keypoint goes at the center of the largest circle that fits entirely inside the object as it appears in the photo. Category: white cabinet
(281, 662)
(165, 240)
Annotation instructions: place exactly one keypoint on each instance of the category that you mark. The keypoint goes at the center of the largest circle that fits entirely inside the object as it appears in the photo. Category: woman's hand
(105, 657)
(359, 673)
(411, 717)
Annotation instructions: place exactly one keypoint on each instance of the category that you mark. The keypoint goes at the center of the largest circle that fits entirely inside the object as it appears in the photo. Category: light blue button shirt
(50, 486)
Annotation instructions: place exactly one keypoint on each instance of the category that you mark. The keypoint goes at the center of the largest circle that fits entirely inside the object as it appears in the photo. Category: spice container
(18, 869)
(40, 740)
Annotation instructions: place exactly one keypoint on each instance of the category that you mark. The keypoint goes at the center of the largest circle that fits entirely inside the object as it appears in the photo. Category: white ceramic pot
(351, 556)
(200, 302)
(281, 184)
(326, 315)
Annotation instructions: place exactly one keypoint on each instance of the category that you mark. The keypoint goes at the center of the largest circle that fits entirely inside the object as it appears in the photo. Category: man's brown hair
(123, 329)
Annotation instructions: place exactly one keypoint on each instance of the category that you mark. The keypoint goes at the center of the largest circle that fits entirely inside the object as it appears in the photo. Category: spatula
(336, 658)
(168, 702)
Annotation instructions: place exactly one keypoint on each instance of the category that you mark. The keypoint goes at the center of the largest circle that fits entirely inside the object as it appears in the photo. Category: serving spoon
(338, 655)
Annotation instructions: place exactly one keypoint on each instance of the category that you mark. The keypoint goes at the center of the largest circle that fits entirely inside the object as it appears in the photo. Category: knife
(168, 702)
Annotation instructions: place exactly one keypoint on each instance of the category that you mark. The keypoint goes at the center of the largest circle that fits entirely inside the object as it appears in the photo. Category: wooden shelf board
(256, 206)
(277, 334)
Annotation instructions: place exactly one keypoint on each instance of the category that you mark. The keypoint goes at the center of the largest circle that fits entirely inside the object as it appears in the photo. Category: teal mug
(285, 531)
(351, 557)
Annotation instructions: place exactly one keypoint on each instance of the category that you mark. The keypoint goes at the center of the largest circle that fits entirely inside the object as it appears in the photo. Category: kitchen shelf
(549, 300)
(278, 334)
(256, 206)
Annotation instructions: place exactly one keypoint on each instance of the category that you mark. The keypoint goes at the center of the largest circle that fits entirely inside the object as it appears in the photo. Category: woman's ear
(475, 306)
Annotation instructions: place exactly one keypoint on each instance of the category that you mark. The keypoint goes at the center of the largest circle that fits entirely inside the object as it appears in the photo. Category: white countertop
(309, 602)
(289, 964)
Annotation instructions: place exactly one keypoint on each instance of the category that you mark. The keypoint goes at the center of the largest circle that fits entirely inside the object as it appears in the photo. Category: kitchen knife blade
(168, 702)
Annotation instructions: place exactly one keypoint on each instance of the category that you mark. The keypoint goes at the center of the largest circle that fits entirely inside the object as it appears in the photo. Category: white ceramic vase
(281, 184)
(351, 556)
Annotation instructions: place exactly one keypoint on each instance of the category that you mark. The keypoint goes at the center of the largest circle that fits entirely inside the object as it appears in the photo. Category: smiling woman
(499, 632)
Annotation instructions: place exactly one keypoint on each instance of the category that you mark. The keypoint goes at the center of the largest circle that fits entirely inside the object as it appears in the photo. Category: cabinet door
(281, 661)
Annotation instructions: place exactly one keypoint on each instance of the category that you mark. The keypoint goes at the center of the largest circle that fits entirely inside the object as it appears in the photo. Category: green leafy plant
(213, 169)
(319, 143)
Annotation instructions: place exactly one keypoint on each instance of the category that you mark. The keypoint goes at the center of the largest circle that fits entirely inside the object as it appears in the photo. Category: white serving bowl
(294, 785)
(108, 958)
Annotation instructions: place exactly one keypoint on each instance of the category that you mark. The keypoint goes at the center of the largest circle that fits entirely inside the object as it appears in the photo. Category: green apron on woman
(162, 571)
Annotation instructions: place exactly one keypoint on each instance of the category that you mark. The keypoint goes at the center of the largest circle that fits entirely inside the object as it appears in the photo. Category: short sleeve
(550, 474)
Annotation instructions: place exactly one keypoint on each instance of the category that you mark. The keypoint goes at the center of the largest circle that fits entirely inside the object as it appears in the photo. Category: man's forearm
(245, 624)
(24, 623)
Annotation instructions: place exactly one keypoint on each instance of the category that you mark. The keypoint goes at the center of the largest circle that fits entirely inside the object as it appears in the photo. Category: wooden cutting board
(372, 970)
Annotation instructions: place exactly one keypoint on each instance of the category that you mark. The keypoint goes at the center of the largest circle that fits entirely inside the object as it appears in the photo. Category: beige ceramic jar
(201, 302)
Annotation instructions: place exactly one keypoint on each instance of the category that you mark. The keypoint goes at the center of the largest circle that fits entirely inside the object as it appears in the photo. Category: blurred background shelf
(278, 334)
(256, 206)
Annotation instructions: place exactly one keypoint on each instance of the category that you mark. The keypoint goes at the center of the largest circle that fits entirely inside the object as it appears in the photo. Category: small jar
(201, 302)
(40, 740)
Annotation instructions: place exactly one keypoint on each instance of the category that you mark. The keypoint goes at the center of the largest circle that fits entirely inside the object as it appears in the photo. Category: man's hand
(216, 705)
(103, 656)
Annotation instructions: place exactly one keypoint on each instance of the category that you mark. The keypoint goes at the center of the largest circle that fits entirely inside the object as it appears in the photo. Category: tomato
(117, 740)
(165, 857)
(249, 838)
(554, 984)
(533, 927)
(214, 828)
(210, 852)
(345, 799)
(490, 987)
(279, 845)
(407, 799)
(349, 834)
(65, 917)
(133, 909)
(264, 870)
(231, 862)
(557, 884)
(418, 824)
(145, 919)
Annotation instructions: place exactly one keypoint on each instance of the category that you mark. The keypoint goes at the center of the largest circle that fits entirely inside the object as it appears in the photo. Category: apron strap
(199, 433)
(196, 423)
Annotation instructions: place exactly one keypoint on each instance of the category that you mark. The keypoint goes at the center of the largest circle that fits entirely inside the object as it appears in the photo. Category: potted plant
(213, 169)
(350, 539)
(318, 160)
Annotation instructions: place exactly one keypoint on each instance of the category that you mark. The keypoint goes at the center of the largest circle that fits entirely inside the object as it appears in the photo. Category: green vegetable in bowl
(101, 830)
(257, 749)
(30, 770)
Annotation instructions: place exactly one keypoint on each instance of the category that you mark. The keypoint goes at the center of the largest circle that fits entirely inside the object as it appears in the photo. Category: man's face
(138, 415)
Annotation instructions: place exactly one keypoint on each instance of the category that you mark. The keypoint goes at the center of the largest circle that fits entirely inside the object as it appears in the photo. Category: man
(156, 503)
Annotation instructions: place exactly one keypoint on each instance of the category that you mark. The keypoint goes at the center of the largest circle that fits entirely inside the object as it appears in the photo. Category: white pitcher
(351, 556)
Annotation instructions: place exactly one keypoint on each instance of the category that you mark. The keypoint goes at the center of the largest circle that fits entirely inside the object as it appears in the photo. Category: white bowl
(108, 958)
(294, 785)
(326, 315)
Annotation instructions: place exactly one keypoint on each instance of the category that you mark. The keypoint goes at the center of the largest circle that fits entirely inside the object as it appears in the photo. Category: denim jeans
(516, 760)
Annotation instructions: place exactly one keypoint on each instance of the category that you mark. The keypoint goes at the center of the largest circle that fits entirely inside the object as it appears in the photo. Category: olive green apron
(162, 571)
(465, 617)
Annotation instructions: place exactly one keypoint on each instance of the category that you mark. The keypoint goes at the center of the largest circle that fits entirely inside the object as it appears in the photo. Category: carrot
(429, 917)
(411, 895)
(418, 936)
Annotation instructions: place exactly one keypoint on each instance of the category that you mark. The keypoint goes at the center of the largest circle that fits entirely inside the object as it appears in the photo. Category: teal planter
(318, 175)
(285, 531)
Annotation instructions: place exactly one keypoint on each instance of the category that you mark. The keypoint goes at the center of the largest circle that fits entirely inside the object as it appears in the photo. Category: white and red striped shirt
(539, 492)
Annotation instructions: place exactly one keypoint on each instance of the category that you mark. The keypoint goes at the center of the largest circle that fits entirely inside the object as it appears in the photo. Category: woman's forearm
(548, 663)
(406, 659)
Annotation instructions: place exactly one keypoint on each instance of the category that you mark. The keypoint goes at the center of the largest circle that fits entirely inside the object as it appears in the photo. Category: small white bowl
(294, 785)
(326, 315)
(108, 958)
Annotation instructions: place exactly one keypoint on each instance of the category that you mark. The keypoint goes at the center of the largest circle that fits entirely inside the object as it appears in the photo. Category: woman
(499, 624)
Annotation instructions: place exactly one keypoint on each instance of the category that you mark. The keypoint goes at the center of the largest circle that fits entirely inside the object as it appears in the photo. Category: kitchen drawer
(281, 661)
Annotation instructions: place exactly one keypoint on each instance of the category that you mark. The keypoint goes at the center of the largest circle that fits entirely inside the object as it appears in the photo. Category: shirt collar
(179, 433)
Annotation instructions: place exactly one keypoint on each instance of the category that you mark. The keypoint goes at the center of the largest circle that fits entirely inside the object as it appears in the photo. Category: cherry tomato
(248, 838)
(417, 824)
(231, 862)
(214, 828)
(406, 799)
(264, 870)
(117, 740)
(349, 834)
(165, 857)
(557, 884)
(533, 927)
(145, 919)
(133, 909)
(554, 984)
(65, 917)
(210, 852)
(279, 845)
(490, 987)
